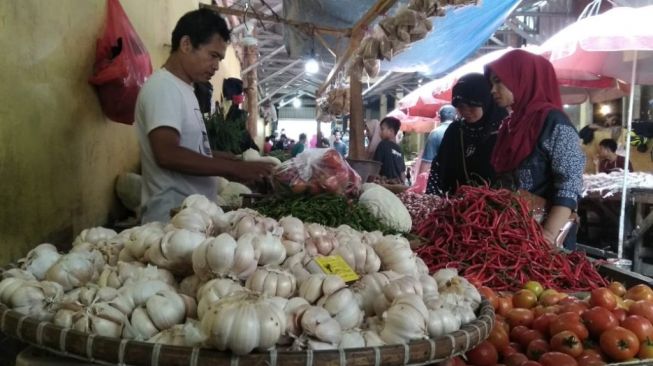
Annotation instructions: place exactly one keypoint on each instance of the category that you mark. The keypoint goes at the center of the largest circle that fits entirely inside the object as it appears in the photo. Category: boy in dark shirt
(389, 154)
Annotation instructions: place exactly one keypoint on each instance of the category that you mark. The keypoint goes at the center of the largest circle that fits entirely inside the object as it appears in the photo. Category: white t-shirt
(166, 100)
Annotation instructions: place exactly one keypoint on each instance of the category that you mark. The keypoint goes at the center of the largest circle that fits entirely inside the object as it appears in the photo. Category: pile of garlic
(239, 281)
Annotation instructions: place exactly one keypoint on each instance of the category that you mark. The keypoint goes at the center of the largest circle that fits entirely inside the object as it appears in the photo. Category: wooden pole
(356, 147)
(251, 91)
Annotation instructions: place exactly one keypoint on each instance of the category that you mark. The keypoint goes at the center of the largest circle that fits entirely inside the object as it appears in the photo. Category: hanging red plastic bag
(122, 64)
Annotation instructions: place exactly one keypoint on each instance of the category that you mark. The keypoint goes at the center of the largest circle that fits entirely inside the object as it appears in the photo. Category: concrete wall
(59, 156)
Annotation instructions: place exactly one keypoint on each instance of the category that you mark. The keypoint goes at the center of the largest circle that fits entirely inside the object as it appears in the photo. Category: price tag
(336, 265)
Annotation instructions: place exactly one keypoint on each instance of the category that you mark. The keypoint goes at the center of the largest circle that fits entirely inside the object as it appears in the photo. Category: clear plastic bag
(122, 64)
(318, 171)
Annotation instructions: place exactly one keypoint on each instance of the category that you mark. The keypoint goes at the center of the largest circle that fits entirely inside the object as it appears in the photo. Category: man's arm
(168, 154)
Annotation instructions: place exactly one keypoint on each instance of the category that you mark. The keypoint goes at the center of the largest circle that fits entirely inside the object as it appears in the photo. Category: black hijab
(466, 148)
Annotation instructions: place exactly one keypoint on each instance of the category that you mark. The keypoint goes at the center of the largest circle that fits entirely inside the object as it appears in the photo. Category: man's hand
(254, 170)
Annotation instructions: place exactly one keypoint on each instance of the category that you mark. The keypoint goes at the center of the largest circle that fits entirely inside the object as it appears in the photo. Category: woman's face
(469, 113)
(500, 92)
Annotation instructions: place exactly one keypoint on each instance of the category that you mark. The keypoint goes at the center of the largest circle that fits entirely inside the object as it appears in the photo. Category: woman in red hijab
(538, 148)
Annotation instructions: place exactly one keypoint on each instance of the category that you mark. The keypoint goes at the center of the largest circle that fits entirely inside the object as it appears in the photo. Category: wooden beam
(281, 71)
(356, 129)
(262, 59)
(251, 56)
(357, 33)
(270, 95)
(269, 18)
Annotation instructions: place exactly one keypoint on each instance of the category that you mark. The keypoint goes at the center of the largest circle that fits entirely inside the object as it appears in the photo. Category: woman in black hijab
(466, 148)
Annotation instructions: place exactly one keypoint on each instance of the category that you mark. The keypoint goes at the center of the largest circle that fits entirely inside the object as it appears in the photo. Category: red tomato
(620, 314)
(490, 295)
(456, 361)
(599, 319)
(570, 322)
(603, 297)
(505, 305)
(619, 344)
(551, 297)
(639, 292)
(543, 322)
(537, 348)
(525, 299)
(519, 316)
(515, 359)
(557, 359)
(643, 308)
(590, 358)
(516, 332)
(508, 351)
(646, 349)
(483, 355)
(528, 336)
(567, 342)
(498, 337)
(531, 363)
(573, 307)
(617, 288)
(639, 325)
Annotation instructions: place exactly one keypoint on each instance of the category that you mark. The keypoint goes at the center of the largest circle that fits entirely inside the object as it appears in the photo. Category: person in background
(176, 157)
(373, 137)
(281, 143)
(389, 154)
(538, 149)
(447, 114)
(267, 147)
(607, 160)
(299, 146)
(466, 147)
(340, 146)
(324, 143)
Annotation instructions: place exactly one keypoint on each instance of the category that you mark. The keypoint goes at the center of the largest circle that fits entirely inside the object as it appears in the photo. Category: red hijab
(534, 85)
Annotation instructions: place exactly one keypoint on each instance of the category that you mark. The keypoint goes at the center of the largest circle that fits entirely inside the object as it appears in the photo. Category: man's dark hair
(392, 123)
(267, 138)
(199, 25)
(302, 137)
(609, 144)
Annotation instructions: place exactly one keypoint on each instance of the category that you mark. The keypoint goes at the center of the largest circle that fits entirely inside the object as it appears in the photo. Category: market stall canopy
(604, 46)
(454, 36)
(415, 124)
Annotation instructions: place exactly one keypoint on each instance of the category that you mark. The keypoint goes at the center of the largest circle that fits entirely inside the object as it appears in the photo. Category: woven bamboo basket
(105, 350)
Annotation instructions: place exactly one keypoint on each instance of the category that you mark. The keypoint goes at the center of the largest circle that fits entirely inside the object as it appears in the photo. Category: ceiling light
(296, 102)
(311, 66)
(605, 109)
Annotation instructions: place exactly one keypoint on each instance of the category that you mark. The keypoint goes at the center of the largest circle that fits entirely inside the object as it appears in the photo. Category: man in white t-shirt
(176, 157)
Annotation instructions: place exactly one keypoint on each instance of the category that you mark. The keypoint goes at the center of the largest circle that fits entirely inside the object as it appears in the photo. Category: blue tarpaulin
(453, 38)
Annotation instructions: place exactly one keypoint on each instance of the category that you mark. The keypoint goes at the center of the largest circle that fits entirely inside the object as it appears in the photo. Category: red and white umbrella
(616, 44)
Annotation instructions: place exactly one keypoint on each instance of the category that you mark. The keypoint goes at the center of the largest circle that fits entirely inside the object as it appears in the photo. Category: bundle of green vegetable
(325, 209)
(227, 133)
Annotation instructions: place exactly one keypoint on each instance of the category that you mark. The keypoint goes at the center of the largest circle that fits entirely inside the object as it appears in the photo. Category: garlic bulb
(269, 248)
(372, 238)
(125, 273)
(394, 289)
(243, 322)
(161, 311)
(442, 321)
(99, 318)
(319, 285)
(39, 260)
(74, 269)
(188, 334)
(94, 235)
(190, 285)
(429, 286)
(175, 250)
(372, 339)
(292, 247)
(318, 323)
(454, 288)
(272, 281)
(18, 273)
(361, 257)
(352, 339)
(396, 255)
(422, 268)
(405, 320)
(296, 266)
(293, 230)
(342, 306)
(202, 203)
(213, 291)
(293, 309)
(320, 245)
(109, 249)
(137, 293)
(193, 219)
(140, 239)
(370, 287)
(35, 299)
(223, 256)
